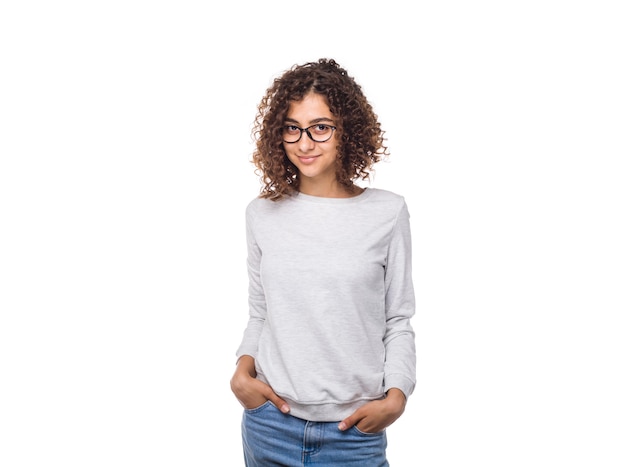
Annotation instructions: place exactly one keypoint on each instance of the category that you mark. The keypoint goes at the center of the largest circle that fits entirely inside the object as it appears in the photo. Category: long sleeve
(399, 340)
(256, 296)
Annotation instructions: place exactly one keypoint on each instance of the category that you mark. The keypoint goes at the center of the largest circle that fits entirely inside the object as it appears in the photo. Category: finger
(282, 405)
(278, 402)
(348, 422)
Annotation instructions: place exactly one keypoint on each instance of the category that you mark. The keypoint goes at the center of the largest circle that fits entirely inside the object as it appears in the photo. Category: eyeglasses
(320, 132)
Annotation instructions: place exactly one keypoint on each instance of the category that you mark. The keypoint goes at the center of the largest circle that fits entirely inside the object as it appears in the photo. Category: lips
(307, 160)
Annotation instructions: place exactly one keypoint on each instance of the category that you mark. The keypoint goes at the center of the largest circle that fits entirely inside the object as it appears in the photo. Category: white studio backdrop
(124, 175)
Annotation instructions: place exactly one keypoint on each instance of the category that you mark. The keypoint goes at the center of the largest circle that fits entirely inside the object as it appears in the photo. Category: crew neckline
(325, 200)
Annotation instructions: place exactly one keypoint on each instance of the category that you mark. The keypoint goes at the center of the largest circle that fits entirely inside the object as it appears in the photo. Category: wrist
(245, 365)
(396, 396)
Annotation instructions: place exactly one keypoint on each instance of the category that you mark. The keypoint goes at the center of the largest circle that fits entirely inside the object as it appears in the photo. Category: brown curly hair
(361, 139)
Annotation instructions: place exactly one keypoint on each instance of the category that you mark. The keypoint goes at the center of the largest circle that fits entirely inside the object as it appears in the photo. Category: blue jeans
(272, 438)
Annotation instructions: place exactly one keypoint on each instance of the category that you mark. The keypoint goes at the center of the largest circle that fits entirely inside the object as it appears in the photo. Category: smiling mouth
(307, 158)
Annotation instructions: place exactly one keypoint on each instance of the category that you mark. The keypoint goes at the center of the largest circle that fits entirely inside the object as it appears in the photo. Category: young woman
(327, 360)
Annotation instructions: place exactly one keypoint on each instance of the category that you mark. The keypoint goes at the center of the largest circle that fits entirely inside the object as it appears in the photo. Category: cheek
(289, 152)
(292, 158)
(333, 152)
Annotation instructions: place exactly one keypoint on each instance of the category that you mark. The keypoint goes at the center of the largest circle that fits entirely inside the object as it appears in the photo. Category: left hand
(375, 416)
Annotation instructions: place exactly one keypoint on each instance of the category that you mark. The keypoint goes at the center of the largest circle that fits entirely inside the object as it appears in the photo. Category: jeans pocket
(363, 433)
(260, 408)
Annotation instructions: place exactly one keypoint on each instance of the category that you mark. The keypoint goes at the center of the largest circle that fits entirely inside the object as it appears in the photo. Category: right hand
(251, 392)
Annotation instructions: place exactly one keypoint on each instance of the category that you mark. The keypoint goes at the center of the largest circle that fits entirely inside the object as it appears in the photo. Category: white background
(124, 175)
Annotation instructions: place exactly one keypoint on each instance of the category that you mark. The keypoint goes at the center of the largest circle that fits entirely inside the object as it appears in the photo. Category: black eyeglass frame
(306, 130)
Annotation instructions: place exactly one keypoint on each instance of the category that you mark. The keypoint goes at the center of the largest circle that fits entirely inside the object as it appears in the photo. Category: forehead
(311, 107)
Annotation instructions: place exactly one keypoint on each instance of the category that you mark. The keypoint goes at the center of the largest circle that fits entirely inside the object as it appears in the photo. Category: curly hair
(361, 141)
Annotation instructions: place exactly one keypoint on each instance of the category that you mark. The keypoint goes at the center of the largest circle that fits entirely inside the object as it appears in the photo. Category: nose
(305, 143)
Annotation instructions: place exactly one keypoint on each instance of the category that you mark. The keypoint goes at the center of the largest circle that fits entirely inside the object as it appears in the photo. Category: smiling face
(315, 161)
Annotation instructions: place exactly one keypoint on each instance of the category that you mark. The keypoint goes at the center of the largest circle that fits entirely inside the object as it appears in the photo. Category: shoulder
(255, 204)
(387, 198)
(263, 206)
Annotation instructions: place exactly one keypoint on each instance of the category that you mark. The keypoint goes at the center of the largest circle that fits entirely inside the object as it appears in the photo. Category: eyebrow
(312, 122)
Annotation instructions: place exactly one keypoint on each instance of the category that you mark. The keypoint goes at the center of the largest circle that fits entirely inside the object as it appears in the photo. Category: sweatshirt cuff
(245, 350)
(401, 382)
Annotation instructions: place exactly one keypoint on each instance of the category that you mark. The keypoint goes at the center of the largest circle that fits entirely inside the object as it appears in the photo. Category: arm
(399, 339)
(249, 391)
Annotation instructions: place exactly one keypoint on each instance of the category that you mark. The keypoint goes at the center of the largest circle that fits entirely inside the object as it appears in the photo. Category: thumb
(278, 402)
(348, 422)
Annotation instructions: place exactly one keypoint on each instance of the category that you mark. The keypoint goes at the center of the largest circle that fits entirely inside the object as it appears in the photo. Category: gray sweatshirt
(330, 300)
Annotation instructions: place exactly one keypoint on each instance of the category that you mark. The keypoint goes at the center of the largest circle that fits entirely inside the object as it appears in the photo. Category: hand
(375, 416)
(249, 391)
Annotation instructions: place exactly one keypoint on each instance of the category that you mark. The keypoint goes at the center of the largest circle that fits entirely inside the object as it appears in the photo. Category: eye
(321, 129)
(291, 129)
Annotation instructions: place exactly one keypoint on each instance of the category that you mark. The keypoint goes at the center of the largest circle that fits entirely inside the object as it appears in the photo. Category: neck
(330, 190)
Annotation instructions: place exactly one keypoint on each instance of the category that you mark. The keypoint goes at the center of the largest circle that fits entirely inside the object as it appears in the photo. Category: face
(314, 161)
